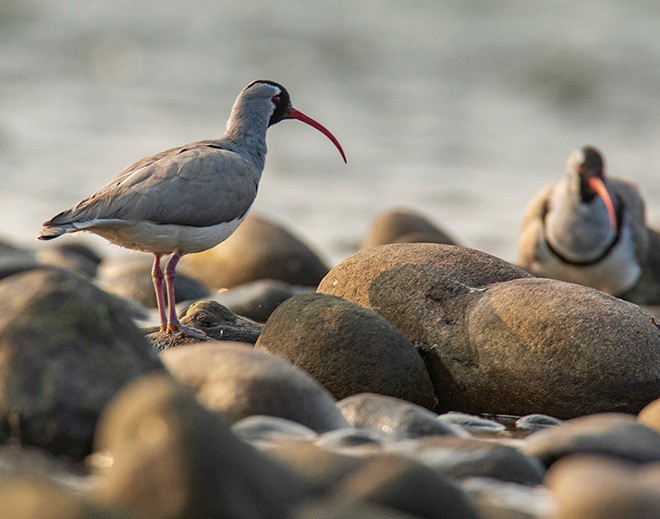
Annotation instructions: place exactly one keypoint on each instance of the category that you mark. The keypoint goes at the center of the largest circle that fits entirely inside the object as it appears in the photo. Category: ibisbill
(589, 228)
(189, 198)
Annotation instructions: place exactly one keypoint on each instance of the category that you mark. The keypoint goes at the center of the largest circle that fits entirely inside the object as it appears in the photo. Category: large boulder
(499, 341)
(66, 348)
(347, 348)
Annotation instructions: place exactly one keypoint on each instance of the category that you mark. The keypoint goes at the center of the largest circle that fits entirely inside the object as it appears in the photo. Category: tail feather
(48, 233)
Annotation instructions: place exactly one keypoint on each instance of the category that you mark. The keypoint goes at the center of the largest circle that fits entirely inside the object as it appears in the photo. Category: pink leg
(157, 276)
(173, 324)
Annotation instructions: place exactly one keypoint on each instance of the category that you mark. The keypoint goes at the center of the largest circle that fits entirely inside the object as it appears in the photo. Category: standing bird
(186, 199)
(586, 228)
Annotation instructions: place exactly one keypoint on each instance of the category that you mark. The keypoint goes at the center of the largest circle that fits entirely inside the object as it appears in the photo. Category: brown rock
(238, 381)
(347, 348)
(650, 415)
(404, 226)
(500, 342)
(259, 249)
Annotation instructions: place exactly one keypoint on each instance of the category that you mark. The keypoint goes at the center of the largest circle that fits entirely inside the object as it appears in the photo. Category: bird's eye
(275, 99)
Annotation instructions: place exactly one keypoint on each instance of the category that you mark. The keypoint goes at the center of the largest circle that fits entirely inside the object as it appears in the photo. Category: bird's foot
(178, 328)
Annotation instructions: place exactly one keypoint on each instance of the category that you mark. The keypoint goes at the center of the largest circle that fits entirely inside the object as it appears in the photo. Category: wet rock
(320, 467)
(497, 341)
(409, 486)
(536, 422)
(238, 381)
(348, 438)
(404, 226)
(473, 424)
(347, 348)
(590, 487)
(469, 457)
(173, 458)
(496, 499)
(616, 435)
(257, 300)
(262, 428)
(74, 256)
(216, 321)
(259, 249)
(40, 498)
(68, 348)
(130, 277)
(650, 415)
(392, 417)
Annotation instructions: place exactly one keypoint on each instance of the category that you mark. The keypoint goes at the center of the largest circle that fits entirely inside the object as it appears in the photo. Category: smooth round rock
(469, 457)
(472, 423)
(392, 417)
(407, 485)
(173, 458)
(403, 226)
(320, 467)
(67, 348)
(590, 487)
(349, 438)
(259, 249)
(262, 428)
(650, 415)
(536, 422)
(257, 300)
(497, 341)
(130, 277)
(216, 321)
(347, 348)
(238, 381)
(74, 256)
(616, 435)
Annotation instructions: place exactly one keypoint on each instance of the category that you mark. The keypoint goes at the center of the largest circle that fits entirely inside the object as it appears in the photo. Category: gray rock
(259, 249)
(238, 381)
(616, 435)
(68, 348)
(409, 486)
(536, 422)
(394, 418)
(173, 458)
(74, 256)
(262, 428)
(469, 457)
(472, 423)
(257, 300)
(347, 348)
(497, 341)
(348, 438)
(404, 226)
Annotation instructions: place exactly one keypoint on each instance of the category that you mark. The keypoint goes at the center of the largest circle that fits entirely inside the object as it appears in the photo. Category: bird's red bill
(599, 187)
(292, 113)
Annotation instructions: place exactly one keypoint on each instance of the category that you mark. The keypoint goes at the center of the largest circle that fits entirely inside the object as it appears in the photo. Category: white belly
(161, 238)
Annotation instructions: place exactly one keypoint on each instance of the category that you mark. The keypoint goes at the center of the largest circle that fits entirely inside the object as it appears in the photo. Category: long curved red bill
(292, 113)
(598, 186)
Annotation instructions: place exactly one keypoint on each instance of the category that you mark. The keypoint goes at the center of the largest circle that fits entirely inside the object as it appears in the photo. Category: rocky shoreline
(417, 378)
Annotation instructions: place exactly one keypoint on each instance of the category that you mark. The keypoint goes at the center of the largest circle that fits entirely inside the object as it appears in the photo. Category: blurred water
(461, 109)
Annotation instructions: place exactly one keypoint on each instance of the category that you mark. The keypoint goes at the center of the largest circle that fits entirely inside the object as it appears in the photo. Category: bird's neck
(247, 132)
